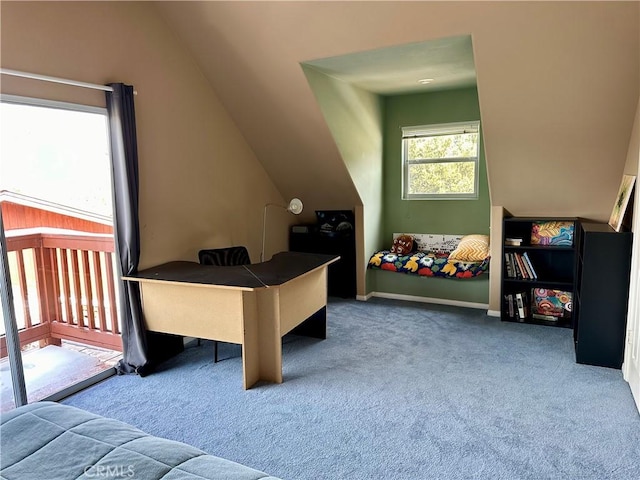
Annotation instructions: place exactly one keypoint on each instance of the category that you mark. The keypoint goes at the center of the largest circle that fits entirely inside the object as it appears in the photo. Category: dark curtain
(142, 350)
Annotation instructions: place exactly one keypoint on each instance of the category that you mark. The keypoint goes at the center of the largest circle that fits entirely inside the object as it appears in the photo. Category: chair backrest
(224, 257)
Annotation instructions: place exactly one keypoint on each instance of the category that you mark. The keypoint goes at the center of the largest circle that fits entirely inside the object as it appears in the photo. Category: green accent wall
(472, 290)
(430, 216)
(355, 118)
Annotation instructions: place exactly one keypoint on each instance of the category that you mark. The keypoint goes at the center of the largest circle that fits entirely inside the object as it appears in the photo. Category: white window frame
(433, 131)
(42, 102)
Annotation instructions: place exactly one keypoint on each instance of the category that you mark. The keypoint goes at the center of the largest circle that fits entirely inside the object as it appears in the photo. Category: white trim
(21, 232)
(493, 313)
(409, 133)
(439, 301)
(33, 202)
(439, 129)
(364, 298)
(41, 102)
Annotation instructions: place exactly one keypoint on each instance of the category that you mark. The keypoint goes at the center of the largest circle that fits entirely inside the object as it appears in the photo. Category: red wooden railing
(63, 287)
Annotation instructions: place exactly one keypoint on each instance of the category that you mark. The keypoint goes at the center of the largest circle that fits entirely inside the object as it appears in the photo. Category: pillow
(402, 245)
(552, 233)
(472, 248)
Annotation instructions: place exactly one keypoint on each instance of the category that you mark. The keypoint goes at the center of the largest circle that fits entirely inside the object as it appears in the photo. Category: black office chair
(223, 257)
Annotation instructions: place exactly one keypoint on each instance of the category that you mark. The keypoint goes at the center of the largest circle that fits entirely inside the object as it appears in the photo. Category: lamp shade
(295, 206)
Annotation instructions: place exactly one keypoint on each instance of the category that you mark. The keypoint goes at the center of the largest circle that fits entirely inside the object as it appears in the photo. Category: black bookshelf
(526, 267)
(603, 268)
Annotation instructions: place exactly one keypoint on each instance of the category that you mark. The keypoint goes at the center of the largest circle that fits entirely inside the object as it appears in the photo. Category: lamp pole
(264, 229)
(295, 207)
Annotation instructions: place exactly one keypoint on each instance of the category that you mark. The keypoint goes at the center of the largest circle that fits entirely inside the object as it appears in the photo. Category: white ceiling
(397, 70)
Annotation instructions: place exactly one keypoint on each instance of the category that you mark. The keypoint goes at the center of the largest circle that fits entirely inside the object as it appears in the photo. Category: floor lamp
(295, 207)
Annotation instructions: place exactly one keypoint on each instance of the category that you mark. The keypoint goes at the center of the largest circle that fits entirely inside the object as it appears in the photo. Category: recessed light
(425, 81)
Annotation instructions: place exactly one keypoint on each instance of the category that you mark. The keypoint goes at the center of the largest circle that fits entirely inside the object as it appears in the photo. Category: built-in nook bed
(435, 255)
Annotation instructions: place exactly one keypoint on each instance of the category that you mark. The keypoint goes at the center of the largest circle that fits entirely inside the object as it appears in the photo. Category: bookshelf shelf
(539, 277)
(547, 248)
(548, 283)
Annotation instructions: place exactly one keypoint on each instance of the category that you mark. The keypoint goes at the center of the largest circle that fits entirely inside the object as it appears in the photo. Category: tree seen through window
(441, 164)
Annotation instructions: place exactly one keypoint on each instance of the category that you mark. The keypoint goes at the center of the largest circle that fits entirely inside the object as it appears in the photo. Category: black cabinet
(342, 274)
(602, 292)
(535, 273)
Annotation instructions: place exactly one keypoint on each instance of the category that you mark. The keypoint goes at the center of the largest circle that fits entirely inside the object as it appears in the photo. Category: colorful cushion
(555, 303)
(472, 248)
(552, 233)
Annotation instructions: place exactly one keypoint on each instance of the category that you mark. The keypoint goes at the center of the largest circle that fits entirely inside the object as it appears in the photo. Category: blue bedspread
(50, 441)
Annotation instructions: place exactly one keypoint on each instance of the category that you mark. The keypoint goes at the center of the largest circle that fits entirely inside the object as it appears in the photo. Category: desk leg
(269, 338)
(250, 343)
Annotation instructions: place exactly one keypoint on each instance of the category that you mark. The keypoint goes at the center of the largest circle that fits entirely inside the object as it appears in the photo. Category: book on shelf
(509, 308)
(519, 266)
(517, 273)
(516, 266)
(517, 306)
(547, 318)
(512, 241)
(521, 301)
(509, 265)
(532, 271)
(523, 267)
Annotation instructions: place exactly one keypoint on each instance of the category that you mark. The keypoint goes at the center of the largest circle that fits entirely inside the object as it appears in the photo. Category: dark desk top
(280, 269)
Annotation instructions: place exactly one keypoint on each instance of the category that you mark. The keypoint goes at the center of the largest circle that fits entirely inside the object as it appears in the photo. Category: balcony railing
(63, 287)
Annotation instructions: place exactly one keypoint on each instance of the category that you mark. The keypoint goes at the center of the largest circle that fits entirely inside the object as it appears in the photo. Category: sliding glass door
(60, 316)
(12, 371)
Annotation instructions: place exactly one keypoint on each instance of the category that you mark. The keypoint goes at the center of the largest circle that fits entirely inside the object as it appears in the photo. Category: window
(56, 151)
(440, 161)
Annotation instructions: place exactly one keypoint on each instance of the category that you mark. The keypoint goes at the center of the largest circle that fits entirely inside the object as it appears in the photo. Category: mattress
(50, 441)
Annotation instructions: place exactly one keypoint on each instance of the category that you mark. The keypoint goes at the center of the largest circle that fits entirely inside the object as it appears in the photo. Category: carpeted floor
(397, 391)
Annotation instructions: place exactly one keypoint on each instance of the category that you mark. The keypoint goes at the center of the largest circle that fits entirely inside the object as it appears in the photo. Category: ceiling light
(425, 81)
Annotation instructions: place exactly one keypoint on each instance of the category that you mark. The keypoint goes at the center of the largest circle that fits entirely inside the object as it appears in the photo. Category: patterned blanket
(427, 264)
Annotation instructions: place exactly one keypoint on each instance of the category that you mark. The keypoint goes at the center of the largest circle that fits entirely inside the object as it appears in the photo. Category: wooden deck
(53, 368)
(63, 270)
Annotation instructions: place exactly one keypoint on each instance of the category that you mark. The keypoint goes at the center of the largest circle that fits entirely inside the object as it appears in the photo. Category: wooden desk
(250, 305)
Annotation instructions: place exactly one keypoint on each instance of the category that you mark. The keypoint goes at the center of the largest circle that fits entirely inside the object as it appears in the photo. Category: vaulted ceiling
(434, 65)
(557, 82)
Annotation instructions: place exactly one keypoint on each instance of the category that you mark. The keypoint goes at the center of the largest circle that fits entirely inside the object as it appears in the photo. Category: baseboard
(439, 301)
(364, 298)
(493, 313)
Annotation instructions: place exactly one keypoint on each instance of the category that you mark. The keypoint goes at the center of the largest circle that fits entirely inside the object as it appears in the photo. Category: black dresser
(342, 274)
